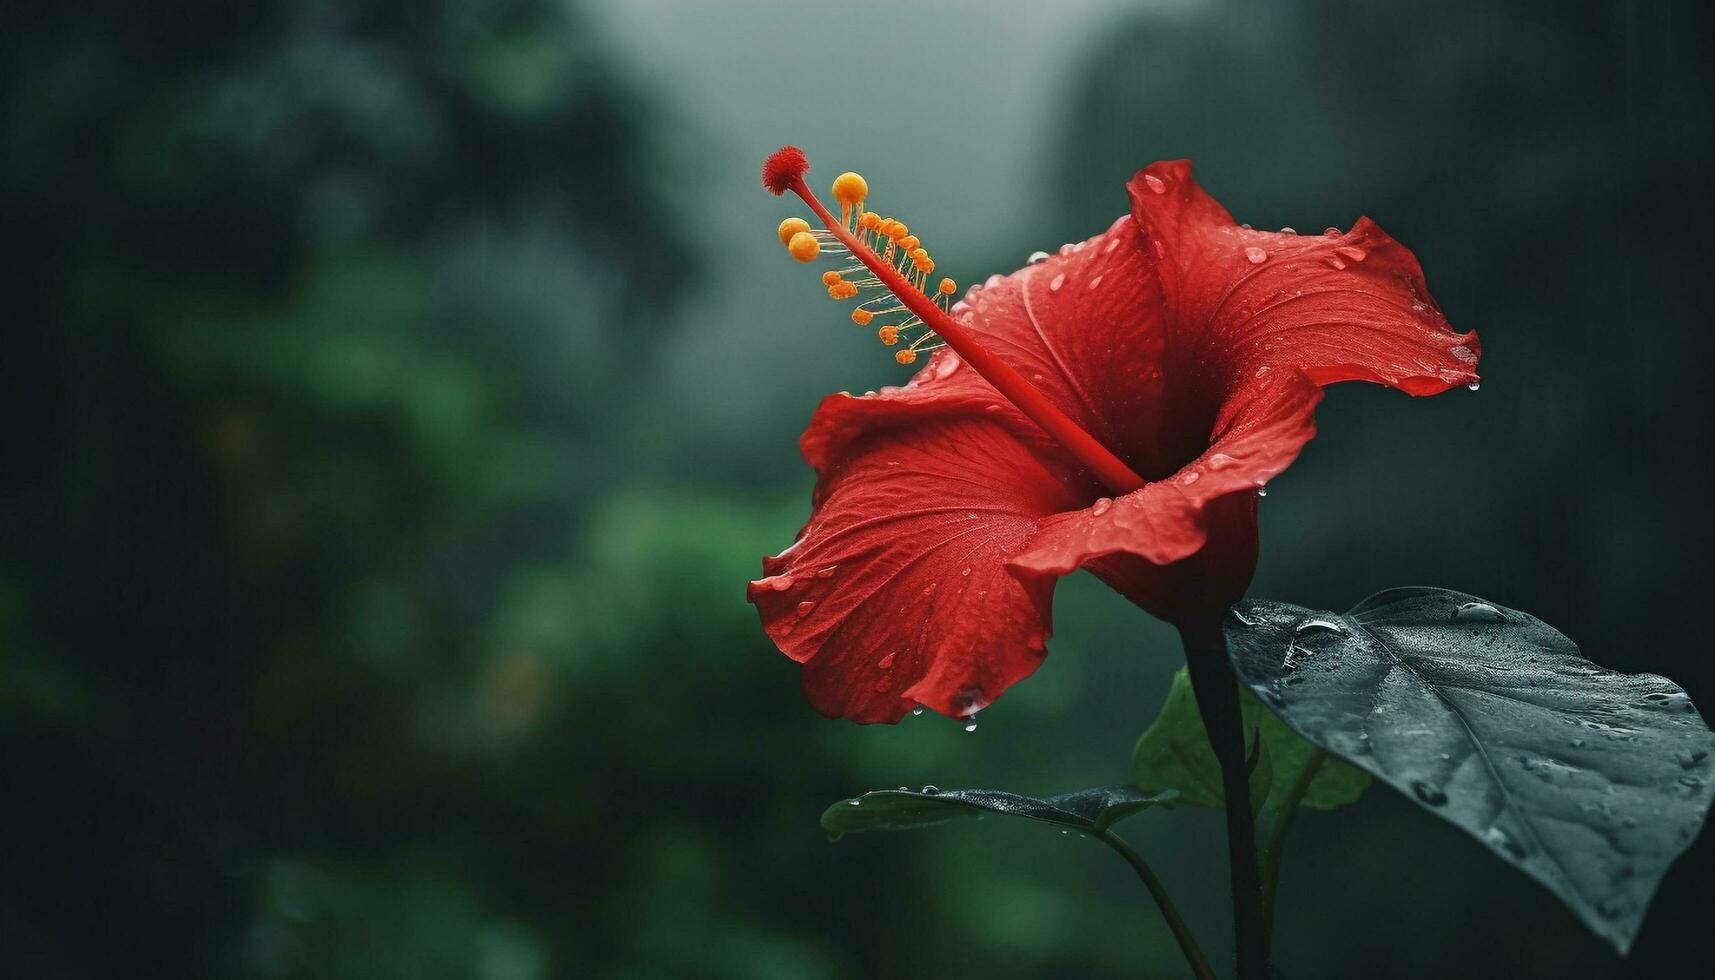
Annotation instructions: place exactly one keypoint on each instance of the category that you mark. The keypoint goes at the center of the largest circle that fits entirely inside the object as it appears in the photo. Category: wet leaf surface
(1083, 810)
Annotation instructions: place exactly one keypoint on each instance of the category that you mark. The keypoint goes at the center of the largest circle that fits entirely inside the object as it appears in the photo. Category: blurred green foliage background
(398, 396)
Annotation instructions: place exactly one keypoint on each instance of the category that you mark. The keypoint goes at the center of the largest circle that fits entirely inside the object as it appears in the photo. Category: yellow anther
(830, 277)
(909, 242)
(919, 255)
(890, 336)
(905, 356)
(948, 287)
(897, 232)
(869, 220)
(850, 188)
(861, 316)
(802, 245)
(790, 227)
(842, 290)
(926, 263)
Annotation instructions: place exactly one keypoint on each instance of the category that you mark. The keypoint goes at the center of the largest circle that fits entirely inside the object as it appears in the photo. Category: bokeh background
(397, 396)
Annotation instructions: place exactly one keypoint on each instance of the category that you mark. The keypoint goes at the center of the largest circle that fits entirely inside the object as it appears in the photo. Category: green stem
(1217, 692)
(1181, 932)
(1275, 846)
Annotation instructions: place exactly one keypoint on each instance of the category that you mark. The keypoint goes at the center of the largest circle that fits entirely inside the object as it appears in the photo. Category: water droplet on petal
(827, 572)
(1353, 252)
(1288, 231)
(1256, 256)
(805, 608)
(1036, 643)
(1154, 183)
(1477, 612)
(1428, 792)
(1463, 354)
(1221, 461)
(1262, 489)
(1337, 263)
(1187, 478)
(887, 661)
(1331, 232)
(917, 710)
(1475, 386)
(971, 722)
(1036, 257)
(1056, 282)
(1101, 506)
(993, 281)
(1097, 281)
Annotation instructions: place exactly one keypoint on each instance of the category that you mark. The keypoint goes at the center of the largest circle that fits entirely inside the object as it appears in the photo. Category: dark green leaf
(1174, 753)
(1084, 810)
(1590, 781)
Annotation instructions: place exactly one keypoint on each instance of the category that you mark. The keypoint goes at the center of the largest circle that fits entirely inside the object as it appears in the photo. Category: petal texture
(898, 591)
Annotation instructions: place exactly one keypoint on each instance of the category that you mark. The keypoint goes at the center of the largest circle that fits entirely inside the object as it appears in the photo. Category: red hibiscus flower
(1190, 347)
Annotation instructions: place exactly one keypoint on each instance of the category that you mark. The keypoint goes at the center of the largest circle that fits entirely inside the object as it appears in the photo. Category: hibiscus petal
(1341, 307)
(1085, 327)
(897, 591)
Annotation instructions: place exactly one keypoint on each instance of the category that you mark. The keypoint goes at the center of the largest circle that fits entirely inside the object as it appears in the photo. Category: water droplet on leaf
(1477, 612)
(1429, 793)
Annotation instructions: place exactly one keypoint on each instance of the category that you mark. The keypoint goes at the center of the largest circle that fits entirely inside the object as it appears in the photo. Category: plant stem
(1181, 932)
(1276, 843)
(1217, 692)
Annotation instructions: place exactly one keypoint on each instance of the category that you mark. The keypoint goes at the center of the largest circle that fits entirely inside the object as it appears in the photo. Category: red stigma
(787, 166)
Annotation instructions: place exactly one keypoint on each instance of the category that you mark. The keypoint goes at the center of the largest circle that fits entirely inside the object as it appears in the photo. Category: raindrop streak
(1256, 256)
(1429, 793)
(1036, 257)
(1477, 612)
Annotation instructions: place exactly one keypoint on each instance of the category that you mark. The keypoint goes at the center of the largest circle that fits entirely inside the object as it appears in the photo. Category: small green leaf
(1084, 810)
(1590, 781)
(1174, 754)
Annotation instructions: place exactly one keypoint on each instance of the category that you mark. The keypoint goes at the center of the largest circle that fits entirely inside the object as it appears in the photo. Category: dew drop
(1097, 281)
(1464, 354)
(1331, 232)
(1036, 257)
(1353, 252)
(930, 789)
(778, 583)
(1256, 256)
(887, 661)
(1475, 386)
(1036, 643)
(1056, 282)
(917, 710)
(1221, 461)
(1337, 263)
(971, 722)
(855, 802)
(1154, 183)
(805, 608)
(1429, 793)
(1288, 231)
(1101, 506)
(966, 571)
(1262, 489)
(1113, 243)
(1688, 760)
(1318, 624)
(1188, 477)
(827, 572)
(1477, 612)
